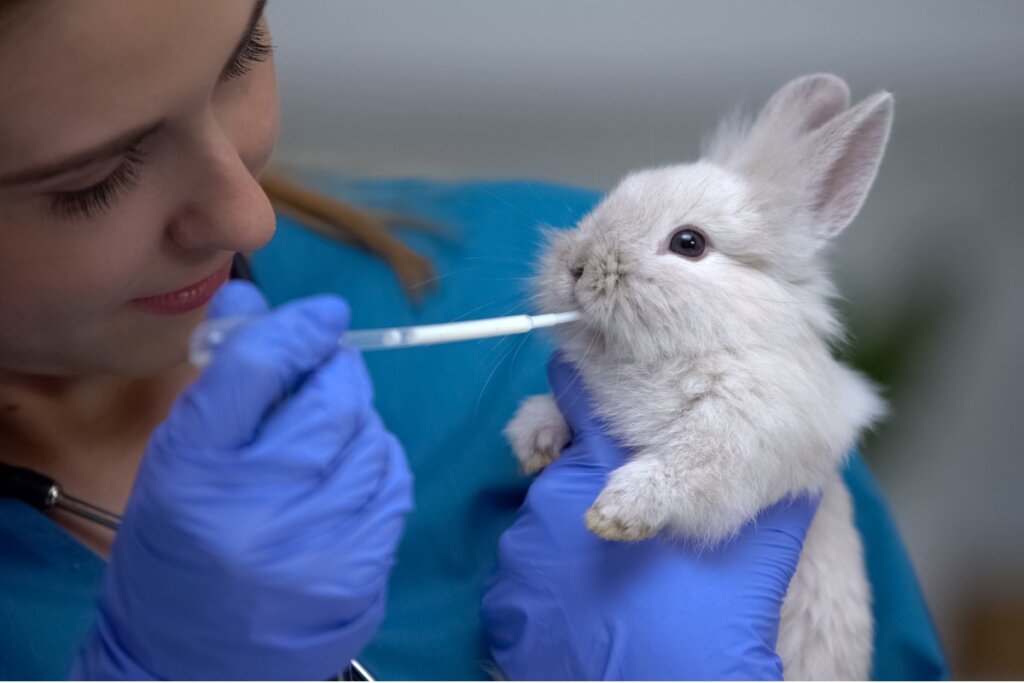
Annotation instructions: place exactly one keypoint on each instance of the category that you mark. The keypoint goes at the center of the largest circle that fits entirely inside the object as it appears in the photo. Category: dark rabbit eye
(688, 242)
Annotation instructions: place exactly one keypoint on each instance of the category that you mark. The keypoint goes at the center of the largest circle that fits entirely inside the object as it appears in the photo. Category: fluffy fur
(717, 372)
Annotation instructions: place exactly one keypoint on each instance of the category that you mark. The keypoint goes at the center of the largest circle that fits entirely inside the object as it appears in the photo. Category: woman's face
(130, 137)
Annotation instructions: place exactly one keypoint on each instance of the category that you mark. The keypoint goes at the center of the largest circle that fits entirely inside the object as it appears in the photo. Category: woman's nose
(243, 222)
(226, 208)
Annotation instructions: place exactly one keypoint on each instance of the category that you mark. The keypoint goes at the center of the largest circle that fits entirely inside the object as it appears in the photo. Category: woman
(263, 501)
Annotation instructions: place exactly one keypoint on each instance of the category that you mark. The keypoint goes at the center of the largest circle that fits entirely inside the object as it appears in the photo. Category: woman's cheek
(74, 269)
(67, 287)
(58, 306)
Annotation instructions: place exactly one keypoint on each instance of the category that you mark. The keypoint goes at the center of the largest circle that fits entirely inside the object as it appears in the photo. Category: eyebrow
(124, 141)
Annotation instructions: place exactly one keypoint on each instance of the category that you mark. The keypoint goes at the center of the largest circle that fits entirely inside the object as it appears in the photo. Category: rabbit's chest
(638, 402)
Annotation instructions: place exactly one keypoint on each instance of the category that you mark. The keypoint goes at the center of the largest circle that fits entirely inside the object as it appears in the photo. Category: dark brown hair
(10, 10)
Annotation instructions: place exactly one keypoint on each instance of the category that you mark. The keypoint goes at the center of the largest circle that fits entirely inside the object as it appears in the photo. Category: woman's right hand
(265, 516)
(565, 604)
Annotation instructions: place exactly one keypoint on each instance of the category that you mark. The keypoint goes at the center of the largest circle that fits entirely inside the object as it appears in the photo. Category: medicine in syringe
(211, 334)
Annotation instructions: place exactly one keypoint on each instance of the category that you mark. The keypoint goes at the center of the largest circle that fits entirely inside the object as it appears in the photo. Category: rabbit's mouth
(596, 328)
(595, 299)
(582, 339)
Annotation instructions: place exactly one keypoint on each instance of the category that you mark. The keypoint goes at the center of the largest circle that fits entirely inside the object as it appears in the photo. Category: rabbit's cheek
(583, 296)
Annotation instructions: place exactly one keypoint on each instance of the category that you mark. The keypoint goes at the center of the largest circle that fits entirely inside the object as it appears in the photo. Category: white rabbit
(705, 342)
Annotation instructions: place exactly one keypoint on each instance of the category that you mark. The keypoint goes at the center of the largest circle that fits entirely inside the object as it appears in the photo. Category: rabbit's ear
(806, 103)
(843, 157)
(794, 111)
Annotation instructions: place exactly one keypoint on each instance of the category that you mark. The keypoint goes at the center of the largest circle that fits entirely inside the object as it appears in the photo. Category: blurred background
(582, 91)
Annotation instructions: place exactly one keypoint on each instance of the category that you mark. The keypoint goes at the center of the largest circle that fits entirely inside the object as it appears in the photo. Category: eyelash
(90, 201)
(255, 50)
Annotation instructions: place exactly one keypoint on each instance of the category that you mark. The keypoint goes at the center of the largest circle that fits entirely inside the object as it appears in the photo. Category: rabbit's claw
(611, 522)
(631, 507)
(546, 446)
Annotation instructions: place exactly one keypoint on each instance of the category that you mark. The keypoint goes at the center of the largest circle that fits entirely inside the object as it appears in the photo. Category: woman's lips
(187, 298)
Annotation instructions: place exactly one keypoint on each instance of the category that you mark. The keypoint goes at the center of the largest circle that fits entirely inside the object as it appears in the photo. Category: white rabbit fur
(717, 372)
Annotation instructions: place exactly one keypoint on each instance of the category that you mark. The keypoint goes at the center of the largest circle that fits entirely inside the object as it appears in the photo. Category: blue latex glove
(565, 604)
(265, 516)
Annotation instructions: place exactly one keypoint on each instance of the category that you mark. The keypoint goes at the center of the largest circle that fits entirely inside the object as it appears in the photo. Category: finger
(775, 538)
(325, 426)
(770, 546)
(366, 487)
(592, 447)
(571, 395)
(382, 515)
(335, 400)
(791, 516)
(256, 368)
(237, 298)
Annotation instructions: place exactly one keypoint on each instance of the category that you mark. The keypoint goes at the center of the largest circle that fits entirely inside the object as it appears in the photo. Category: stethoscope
(45, 494)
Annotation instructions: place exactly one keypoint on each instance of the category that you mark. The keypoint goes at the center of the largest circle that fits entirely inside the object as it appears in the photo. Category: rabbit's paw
(537, 433)
(626, 510)
(617, 525)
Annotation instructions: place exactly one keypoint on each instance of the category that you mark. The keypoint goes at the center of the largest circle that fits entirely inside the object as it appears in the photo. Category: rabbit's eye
(688, 242)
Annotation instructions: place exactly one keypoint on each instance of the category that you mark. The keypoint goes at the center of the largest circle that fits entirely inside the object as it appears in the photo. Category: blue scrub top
(467, 484)
(48, 587)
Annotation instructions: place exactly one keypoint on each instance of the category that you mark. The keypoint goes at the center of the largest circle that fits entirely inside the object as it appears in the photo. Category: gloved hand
(565, 604)
(265, 516)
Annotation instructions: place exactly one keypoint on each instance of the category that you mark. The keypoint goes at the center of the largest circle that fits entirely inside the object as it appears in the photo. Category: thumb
(571, 395)
(237, 298)
(256, 368)
(592, 448)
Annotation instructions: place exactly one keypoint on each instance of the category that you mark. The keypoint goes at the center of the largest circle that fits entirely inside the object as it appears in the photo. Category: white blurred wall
(581, 91)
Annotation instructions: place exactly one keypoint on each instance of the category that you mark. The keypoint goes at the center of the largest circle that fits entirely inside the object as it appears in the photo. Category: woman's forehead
(78, 73)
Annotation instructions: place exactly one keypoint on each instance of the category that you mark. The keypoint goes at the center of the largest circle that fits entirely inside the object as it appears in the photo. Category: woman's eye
(88, 202)
(688, 242)
(256, 49)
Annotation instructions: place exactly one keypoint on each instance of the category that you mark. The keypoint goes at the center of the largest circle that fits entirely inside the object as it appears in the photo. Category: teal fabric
(906, 645)
(448, 405)
(48, 587)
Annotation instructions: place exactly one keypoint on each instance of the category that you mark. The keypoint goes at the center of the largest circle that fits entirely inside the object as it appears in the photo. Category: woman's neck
(39, 410)
(87, 433)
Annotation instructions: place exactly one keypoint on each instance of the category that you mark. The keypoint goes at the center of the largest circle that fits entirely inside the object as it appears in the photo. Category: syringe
(211, 334)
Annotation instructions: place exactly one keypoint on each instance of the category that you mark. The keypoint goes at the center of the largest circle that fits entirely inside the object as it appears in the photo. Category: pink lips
(187, 298)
